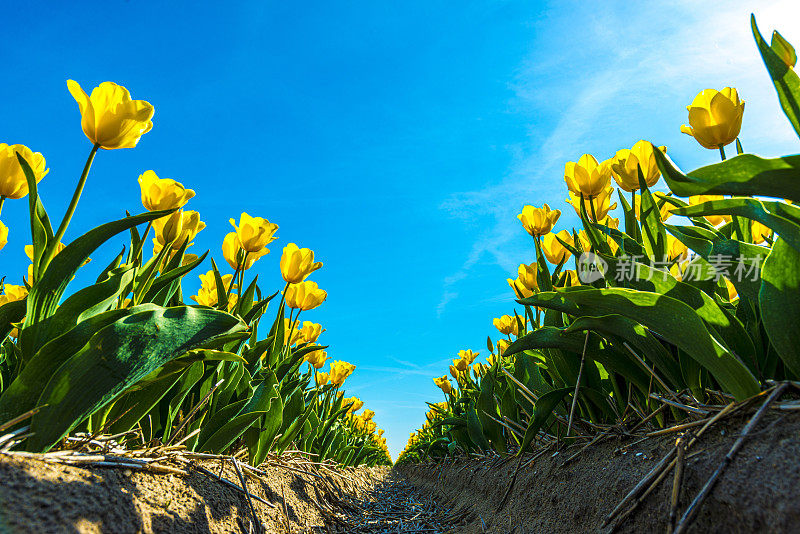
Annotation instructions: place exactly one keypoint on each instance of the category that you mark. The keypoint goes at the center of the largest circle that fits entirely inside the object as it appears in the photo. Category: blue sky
(398, 140)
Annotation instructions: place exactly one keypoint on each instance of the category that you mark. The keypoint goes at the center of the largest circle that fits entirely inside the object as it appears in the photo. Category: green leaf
(779, 300)
(12, 312)
(745, 175)
(41, 229)
(116, 357)
(670, 318)
(542, 411)
(785, 79)
(46, 293)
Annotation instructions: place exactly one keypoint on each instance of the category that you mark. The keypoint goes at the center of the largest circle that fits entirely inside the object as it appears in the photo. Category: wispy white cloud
(623, 74)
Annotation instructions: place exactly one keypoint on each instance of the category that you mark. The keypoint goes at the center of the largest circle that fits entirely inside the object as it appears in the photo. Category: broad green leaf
(669, 318)
(116, 357)
(785, 79)
(779, 300)
(542, 411)
(745, 175)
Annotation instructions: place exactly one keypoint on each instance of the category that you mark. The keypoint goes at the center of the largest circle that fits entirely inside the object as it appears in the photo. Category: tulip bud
(552, 248)
(467, 355)
(506, 325)
(297, 263)
(311, 331)
(489, 344)
(784, 49)
(340, 371)
(304, 296)
(234, 254)
(13, 183)
(538, 221)
(587, 176)
(254, 233)
(626, 164)
(162, 193)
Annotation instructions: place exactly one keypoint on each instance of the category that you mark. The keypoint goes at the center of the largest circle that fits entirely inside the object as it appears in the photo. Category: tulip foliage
(129, 353)
(663, 311)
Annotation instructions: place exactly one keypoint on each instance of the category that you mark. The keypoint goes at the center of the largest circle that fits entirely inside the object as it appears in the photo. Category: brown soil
(42, 497)
(758, 492)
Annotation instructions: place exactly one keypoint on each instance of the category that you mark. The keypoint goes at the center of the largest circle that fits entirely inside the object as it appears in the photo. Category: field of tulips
(691, 297)
(129, 355)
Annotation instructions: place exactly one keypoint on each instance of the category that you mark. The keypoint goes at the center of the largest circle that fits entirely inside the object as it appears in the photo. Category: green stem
(633, 203)
(76, 196)
(591, 205)
(722, 152)
(2, 199)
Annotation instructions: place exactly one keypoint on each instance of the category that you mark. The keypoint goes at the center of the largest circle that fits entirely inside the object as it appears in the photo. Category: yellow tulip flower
(538, 221)
(355, 404)
(368, 414)
(175, 229)
(461, 364)
(304, 296)
(233, 253)
(109, 117)
(13, 183)
(665, 211)
(601, 203)
(676, 250)
(254, 233)
(715, 220)
(625, 165)
(12, 293)
(758, 231)
(527, 276)
(506, 324)
(468, 355)
(317, 358)
(321, 378)
(587, 176)
(3, 235)
(311, 331)
(297, 336)
(162, 193)
(340, 371)
(715, 117)
(502, 345)
(732, 293)
(444, 384)
(207, 294)
(553, 250)
(297, 263)
(519, 287)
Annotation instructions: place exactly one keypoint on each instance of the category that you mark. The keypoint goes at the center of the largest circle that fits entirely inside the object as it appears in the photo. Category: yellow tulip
(12, 293)
(3, 235)
(109, 118)
(502, 345)
(254, 233)
(304, 296)
(626, 163)
(297, 336)
(732, 293)
(233, 253)
(368, 414)
(460, 364)
(355, 404)
(527, 276)
(519, 287)
(162, 193)
(321, 378)
(207, 294)
(297, 263)
(13, 183)
(538, 221)
(175, 229)
(553, 250)
(317, 358)
(587, 176)
(715, 117)
(758, 231)
(676, 250)
(665, 211)
(340, 371)
(311, 331)
(506, 324)
(715, 220)
(444, 384)
(601, 203)
(468, 355)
